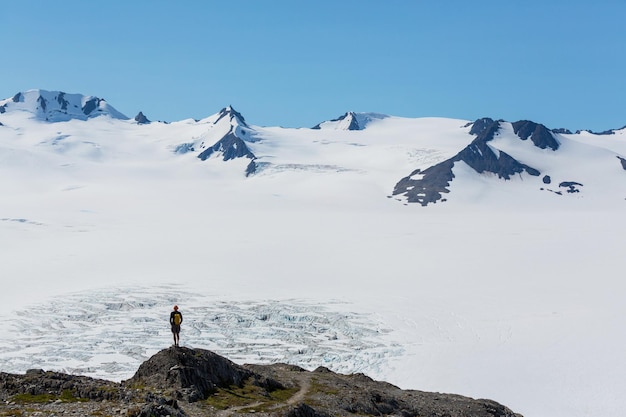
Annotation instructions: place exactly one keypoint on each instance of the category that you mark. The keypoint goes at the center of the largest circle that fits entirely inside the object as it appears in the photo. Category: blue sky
(297, 63)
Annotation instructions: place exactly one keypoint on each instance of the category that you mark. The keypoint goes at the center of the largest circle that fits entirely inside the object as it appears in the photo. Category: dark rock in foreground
(195, 373)
(196, 382)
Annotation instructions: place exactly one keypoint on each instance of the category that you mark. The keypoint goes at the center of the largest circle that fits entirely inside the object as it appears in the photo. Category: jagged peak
(484, 129)
(480, 125)
(141, 119)
(540, 135)
(233, 116)
(350, 121)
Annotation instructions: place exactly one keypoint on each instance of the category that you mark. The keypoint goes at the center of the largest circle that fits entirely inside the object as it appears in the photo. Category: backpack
(178, 318)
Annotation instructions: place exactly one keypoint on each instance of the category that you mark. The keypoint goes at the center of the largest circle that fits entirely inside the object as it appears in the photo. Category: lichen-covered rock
(193, 373)
(173, 382)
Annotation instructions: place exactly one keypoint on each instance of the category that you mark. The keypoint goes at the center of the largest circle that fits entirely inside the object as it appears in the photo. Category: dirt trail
(305, 385)
(304, 381)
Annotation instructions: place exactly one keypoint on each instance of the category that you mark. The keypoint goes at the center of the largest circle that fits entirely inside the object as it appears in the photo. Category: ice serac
(58, 106)
(429, 185)
(230, 144)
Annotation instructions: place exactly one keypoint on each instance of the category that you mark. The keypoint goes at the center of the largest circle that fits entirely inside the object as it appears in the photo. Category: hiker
(176, 318)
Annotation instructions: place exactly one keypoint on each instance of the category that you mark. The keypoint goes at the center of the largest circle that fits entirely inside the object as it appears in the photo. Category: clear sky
(296, 63)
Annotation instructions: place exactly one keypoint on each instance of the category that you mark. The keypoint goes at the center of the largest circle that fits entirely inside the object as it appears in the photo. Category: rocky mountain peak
(232, 115)
(141, 119)
(227, 138)
(540, 135)
(429, 185)
(348, 121)
(56, 106)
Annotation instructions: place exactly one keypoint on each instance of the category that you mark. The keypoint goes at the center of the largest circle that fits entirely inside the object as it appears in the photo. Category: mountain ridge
(58, 106)
(495, 147)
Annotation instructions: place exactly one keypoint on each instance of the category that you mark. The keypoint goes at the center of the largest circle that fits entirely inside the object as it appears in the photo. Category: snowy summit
(57, 106)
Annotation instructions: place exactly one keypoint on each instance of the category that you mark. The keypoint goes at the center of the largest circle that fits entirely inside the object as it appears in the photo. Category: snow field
(501, 292)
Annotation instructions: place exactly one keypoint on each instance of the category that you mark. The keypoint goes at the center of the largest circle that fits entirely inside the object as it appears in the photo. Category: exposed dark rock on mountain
(184, 148)
(55, 106)
(603, 133)
(62, 101)
(251, 168)
(486, 127)
(195, 382)
(427, 186)
(91, 105)
(231, 114)
(623, 161)
(142, 119)
(546, 179)
(572, 187)
(482, 158)
(539, 134)
(3, 108)
(350, 116)
(42, 103)
(231, 147)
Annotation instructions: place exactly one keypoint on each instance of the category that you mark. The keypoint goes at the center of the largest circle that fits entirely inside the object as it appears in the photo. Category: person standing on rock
(176, 318)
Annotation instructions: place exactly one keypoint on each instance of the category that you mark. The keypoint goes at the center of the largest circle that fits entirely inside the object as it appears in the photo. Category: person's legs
(176, 333)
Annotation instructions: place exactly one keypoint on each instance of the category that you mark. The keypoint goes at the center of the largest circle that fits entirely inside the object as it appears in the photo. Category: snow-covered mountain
(483, 151)
(350, 121)
(57, 106)
(226, 136)
(529, 151)
(318, 246)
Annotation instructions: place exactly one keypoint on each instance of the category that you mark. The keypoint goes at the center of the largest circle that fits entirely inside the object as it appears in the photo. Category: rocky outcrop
(349, 119)
(195, 373)
(428, 186)
(234, 117)
(196, 382)
(538, 134)
(330, 394)
(37, 382)
(231, 145)
(141, 119)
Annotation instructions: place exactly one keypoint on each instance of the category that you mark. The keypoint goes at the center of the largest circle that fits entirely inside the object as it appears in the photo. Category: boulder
(193, 373)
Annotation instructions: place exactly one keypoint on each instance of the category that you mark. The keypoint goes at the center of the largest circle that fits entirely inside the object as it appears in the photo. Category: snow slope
(505, 291)
(57, 106)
